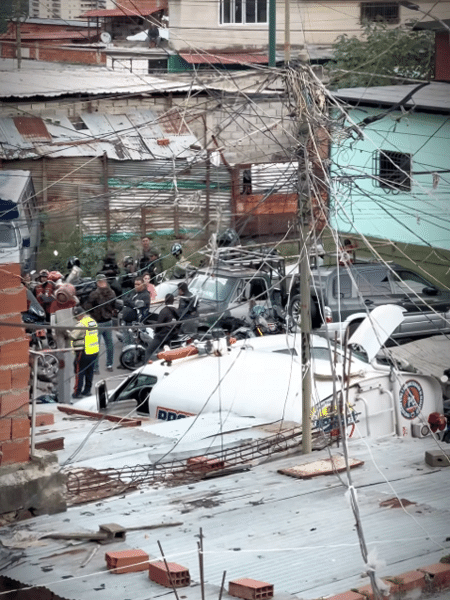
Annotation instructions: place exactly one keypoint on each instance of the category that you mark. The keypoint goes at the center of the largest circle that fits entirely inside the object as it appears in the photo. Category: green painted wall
(359, 206)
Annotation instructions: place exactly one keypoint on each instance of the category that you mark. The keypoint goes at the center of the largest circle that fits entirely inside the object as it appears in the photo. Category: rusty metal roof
(129, 8)
(218, 58)
(32, 128)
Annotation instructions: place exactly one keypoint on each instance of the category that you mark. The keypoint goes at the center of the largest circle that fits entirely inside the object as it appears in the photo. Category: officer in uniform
(86, 345)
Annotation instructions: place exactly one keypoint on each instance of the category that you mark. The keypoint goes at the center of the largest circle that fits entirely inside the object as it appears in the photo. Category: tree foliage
(10, 9)
(381, 56)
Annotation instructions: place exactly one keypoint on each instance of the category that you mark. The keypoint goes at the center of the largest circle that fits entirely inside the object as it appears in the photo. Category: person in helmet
(60, 312)
(85, 342)
(181, 267)
(45, 292)
(74, 267)
(111, 270)
(228, 238)
(126, 280)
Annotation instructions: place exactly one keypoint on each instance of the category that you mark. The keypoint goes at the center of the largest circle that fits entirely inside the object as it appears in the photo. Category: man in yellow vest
(85, 343)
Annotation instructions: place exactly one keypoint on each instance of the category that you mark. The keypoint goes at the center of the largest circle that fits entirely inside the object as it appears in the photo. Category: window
(394, 170)
(380, 11)
(373, 283)
(243, 11)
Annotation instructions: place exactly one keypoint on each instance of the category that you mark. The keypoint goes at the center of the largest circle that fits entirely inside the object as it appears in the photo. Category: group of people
(94, 314)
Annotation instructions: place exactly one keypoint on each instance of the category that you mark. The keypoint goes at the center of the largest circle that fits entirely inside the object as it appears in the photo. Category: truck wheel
(295, 309)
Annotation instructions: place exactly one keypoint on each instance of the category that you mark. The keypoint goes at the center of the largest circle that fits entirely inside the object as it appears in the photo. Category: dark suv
(349, 293)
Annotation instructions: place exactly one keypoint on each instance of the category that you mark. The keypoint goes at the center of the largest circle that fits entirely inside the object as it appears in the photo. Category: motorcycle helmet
(54, 276)
(73, 262)
(77, 310)
(228, 238)
(65, 293)
(128, 260)
(43, 273)
(176, 250)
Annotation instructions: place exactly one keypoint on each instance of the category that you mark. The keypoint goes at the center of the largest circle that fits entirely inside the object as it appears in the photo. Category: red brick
(51, 445)
(127, 561)
(179, 576)
(439, 574)
(15, 353)
(348, 596)
(20, 376)
(11, 333)
(250, 589)
(20, 428)
(44, 419)
(407, 581)
(14, 452)
(12, 402)
(13, 300)
(9, 276)
(5, 379)
(5, 429)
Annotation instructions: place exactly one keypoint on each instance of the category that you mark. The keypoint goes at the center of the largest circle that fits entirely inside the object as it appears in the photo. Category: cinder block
(5, 429)
(250, 589)
(438, 575)
(12, 402)
(14, 452)
(127, 561)
(44, 419)
(20, 428)
(437, 458)
(175, 576)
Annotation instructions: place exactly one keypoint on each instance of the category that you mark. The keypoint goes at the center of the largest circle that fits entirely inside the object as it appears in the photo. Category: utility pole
(18, 35)
(272, 32)
(287, 32)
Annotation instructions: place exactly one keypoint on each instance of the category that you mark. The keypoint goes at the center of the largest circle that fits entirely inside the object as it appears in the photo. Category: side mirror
(101, 393)
(139, 304)
(430, 291)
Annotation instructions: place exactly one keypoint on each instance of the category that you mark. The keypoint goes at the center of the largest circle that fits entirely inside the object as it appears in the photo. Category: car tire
(295, 311)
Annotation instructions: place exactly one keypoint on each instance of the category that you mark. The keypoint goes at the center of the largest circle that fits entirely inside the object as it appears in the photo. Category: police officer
(86, 345)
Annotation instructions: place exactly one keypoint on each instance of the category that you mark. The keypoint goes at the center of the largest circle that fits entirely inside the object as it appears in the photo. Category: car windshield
(137, 388)
(405, 281)
(208, 287)
(7, 236)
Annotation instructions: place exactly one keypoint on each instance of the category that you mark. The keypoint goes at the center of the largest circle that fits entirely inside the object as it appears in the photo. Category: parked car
(348, 293)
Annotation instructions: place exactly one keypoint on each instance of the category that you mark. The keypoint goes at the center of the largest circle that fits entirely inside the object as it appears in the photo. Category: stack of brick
(203, 463)
(127, 561)
(14, 370)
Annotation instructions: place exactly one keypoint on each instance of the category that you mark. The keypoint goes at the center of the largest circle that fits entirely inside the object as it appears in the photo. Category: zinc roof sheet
(61, 80)
(131, 8)
(298, 535)
(435, 96)
(215, 58)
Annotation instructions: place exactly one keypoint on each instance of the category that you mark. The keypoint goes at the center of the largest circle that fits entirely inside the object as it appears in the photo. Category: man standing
(136, 307)
(167, 321)
(101, 305)
(149, 260)
(85, 344)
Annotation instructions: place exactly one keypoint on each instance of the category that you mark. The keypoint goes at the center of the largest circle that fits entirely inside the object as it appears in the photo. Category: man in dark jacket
(166, 327)
(136, 305)
(150, 260)
(101, 305)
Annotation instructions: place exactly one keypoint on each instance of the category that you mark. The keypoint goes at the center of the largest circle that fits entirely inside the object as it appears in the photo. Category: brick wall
(14, 370)
(51, 53)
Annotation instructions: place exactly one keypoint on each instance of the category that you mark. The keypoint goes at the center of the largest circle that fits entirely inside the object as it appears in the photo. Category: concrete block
(437, 458)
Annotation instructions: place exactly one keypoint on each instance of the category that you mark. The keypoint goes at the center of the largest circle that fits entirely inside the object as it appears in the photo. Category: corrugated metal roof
(52, 35)
(435, 96)
(216, 58)
(120, 137)
(64, 80)
(298, 535)
(129, 8)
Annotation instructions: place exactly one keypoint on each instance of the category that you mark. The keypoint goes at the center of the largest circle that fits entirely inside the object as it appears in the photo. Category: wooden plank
(124, 421)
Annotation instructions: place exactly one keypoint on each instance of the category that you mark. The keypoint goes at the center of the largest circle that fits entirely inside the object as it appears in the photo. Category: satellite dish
(105, 37)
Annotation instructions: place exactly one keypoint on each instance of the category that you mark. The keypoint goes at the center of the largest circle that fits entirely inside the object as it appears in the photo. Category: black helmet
(73, 262)
(128, 260)
(78, 310)
(228, 238)
(176, 249)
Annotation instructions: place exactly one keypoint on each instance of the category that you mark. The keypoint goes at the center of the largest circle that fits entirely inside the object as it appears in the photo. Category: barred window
(380, 11)
(394, 170)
